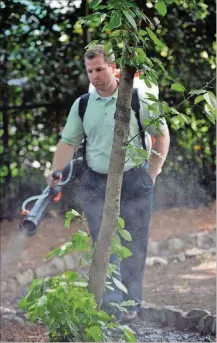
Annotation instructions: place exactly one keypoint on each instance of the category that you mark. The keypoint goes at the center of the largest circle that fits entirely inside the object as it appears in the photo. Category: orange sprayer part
(24, 212)
(57, 197)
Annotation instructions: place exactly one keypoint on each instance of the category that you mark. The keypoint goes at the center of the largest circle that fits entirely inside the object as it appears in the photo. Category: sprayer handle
(57, 175)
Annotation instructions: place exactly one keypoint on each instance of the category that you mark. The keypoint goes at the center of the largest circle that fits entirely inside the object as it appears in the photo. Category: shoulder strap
(81, 111)
(83, 105)
(135, 104)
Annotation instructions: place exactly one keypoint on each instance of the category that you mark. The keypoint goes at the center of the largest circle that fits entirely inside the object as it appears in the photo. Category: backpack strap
(81, 111)
(135, 104)
(83, 105)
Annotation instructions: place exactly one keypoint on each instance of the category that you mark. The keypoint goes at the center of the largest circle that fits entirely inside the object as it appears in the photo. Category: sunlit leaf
(177, 87)
(121, 223)
(130, 19)
(129, 336)
(119, 285)
(198, 99)
(126, 235)
(161, 7)
(154, 38)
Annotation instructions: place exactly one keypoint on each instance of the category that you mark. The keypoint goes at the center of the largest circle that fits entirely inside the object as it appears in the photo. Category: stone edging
(179, 249)
(193, 320)
(171, 250)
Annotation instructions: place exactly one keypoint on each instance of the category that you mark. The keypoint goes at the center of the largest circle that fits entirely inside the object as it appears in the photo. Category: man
(137, 187)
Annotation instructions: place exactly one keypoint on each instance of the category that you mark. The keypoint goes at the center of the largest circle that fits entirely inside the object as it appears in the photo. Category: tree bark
(98, 270)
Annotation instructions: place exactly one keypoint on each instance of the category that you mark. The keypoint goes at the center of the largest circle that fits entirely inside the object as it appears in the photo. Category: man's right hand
(54, 178)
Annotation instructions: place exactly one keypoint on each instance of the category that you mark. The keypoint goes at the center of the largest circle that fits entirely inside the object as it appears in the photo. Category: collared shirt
(98, 125)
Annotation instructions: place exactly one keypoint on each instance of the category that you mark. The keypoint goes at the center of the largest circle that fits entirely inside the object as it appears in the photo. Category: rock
(175, 244)
(151, 261)
(187, 323)
(152, 314)
(163, 245)
(205, 324)
(153, 248)
(45, 270)
(172, 315)
(208, 324)
(206, 240)
(181, 257)
(193, 252)
(14, 318)
(70, 261)
(190, 239)
(26, 277)
(213, 329)
(7, 310)
(59, 263)
(196, 312)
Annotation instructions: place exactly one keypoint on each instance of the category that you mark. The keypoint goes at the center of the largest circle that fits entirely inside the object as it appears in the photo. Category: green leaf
(152, 97)
(142, 33)
(121, 223)
(161, 7)
(209, 114)
(71, 276)
(154, 38)
(198, 99)
(80, 284)
(126, 252)
(22, 304)
(130, 19)
(126, 235)
(210, 99)
(69, 216)
(197, 91)
(160, 64)
(52, 253)
(115, 20)
(95, 332)
(129, 336)
(103, 316)
(177, 87)
(140, 14)
(92, 43)
(119, 285)
(108, 46)
(42, 301)
(116, 33)
(94, 3)
(129, 303)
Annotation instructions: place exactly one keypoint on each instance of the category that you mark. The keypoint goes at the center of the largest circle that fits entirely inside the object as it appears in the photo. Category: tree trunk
(98, 270)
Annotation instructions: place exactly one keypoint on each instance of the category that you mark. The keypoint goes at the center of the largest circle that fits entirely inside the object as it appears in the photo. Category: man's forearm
(161, 146)
(62, 156)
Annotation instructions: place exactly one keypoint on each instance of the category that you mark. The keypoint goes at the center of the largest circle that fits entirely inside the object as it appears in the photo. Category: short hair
(99, 49)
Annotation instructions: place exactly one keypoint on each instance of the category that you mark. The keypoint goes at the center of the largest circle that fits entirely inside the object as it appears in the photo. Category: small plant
(64, 305)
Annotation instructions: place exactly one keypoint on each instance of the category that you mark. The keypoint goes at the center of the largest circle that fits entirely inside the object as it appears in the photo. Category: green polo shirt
(98, 124)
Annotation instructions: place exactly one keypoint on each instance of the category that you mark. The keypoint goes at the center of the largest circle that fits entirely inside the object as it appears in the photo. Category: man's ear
(113, 66)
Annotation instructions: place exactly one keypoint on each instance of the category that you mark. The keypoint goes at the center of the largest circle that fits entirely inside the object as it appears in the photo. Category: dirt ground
(186, 285)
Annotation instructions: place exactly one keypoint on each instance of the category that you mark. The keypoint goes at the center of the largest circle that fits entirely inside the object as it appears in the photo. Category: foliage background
(42, 73)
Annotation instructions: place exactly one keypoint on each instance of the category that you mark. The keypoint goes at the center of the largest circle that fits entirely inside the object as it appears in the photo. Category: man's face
(99, 72)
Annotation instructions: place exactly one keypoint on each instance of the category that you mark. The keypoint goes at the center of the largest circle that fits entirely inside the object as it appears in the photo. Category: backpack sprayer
(32, 218)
